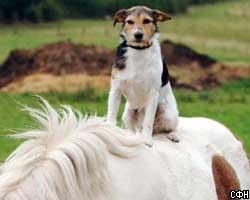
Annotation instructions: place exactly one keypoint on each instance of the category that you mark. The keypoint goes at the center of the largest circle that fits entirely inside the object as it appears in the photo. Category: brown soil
(58, 59)
(180, 54)
(51, 83)
(81, 63)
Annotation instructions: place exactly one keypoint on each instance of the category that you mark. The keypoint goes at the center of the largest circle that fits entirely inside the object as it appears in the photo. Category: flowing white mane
(59, 160)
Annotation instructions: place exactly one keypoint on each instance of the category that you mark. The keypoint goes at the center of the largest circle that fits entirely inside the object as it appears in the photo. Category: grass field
(220, 30)
(227, 104)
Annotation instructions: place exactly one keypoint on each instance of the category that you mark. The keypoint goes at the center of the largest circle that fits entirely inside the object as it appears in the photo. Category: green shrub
(31, 10)
(48, 10)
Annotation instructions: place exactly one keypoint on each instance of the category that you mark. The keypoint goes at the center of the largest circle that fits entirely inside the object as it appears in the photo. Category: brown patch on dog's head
(160, 16)
(139, 24)
(120, 16)
(225, 177)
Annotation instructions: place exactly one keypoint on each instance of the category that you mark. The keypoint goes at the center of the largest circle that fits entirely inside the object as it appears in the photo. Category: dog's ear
(160, 16)
(120, 16)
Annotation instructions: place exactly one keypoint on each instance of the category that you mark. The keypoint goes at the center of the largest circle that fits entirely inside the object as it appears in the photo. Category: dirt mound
(188, 68)
(51, 83)
(197, 78)
(180, 54)
(58, 59)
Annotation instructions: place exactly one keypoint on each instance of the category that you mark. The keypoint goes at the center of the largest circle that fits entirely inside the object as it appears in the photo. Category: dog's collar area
(125, 44)
(140, 47)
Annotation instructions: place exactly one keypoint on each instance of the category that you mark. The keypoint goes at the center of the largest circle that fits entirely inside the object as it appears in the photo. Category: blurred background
(63, 50)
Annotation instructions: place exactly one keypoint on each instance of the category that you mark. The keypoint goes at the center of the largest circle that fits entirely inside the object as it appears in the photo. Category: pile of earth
(61, 60)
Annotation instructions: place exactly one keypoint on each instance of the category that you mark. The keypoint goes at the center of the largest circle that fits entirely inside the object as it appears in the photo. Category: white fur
(71, 158)
(140, 83)
(64, 160)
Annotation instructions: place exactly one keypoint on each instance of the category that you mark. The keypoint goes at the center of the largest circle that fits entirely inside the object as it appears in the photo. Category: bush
(109, 7)
(203, 1)
(48, 10)
(85, 8)
(31, 10)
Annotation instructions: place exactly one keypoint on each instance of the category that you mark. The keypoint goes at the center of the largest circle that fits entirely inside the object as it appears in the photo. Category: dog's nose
(138, 36)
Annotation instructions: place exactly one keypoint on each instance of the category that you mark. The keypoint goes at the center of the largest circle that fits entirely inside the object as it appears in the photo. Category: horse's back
(181, 170)
(206, 137)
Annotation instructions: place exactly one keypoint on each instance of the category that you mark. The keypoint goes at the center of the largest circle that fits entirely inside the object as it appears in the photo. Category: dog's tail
(225, 177)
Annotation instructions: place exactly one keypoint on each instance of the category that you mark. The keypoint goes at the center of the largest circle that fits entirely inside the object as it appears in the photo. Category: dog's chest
(142, 73)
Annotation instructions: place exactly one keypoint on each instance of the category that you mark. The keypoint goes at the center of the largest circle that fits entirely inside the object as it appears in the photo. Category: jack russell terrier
(140, 75)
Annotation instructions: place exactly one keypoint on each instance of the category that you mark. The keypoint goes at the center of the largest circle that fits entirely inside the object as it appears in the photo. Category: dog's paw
(148, 142)
(172, 136)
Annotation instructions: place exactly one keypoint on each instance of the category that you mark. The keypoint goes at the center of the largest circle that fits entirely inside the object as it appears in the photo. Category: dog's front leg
(113, 102)
(149, 117)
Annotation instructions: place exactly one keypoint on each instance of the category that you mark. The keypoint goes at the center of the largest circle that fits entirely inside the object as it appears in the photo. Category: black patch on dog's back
(120, 58)
(165, 74)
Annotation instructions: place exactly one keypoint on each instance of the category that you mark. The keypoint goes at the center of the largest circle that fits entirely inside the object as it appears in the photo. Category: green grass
(219, 30)
(228, 104)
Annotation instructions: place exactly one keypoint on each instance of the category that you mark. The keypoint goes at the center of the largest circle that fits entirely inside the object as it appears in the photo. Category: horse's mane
(65, 158)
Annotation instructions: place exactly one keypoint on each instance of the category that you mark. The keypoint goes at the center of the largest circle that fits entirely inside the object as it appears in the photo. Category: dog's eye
(130, 22)
(146, 21)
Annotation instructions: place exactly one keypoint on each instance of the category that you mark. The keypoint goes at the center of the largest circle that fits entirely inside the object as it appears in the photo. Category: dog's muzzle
(138, 36)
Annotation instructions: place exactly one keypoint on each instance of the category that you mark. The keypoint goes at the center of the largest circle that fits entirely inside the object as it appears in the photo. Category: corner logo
(239, 194)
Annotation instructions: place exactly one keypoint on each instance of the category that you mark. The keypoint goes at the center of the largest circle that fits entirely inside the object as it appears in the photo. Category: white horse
(76, 158)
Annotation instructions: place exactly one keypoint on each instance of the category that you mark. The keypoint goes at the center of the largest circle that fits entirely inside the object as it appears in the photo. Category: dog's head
(139, 24)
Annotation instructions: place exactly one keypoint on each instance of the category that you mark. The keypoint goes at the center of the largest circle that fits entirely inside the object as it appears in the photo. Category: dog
(140, 75)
